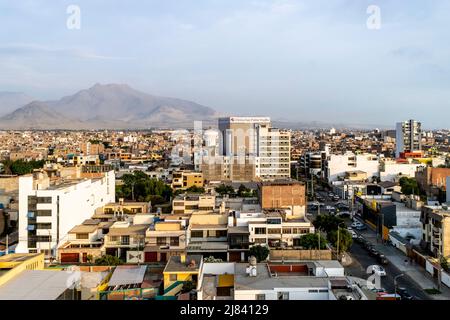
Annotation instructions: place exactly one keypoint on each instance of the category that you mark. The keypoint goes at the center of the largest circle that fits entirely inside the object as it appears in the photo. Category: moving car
(344, 214)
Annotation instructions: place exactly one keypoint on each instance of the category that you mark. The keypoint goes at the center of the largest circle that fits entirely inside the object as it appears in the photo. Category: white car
(379, 270)
(354, 234)
(357, 224)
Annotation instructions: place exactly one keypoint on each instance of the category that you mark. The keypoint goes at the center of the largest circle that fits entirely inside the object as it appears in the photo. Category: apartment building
(182, 180)
(408, 137)
(436, 230)
(337, 165)
(165, 239)
(49, 209)
(283, 194)
(309, 280)
(392, 170)
(432, 181)
(84, 242)
(190, 203)
(250, 149)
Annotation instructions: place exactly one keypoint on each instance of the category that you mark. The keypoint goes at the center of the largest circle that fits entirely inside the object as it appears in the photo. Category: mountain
(10, 101)
(37, 115)
(108, 107)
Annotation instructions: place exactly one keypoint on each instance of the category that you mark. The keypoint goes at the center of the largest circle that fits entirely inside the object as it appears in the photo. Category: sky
(293, 60)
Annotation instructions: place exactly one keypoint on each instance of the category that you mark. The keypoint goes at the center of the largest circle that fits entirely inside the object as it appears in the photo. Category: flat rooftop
(175, 265)
(265, 281)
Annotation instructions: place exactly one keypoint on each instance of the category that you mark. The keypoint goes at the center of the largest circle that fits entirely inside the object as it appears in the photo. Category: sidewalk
(413, 270)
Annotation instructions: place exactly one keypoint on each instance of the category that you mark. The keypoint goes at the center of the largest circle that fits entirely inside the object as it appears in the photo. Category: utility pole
(7, 246)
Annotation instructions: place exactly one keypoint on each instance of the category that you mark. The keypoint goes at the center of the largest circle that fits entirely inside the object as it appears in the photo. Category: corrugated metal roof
(124, 275)
(38, 285)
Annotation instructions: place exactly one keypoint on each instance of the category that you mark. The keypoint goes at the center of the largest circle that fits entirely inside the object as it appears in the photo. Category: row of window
(285, 230)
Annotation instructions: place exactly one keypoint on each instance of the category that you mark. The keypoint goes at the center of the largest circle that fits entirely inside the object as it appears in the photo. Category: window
(174, 241)
(197, 234)
(43, 213)
(260, 230)
(160, 241)
(260, 297)
(113, 238)
(313, 291)
(274, 231)
(125, 240)
(287, 230)
(43, 226)
(173, 277)
(82, 236)
(283, 295)
(44, 200)
(43, 238)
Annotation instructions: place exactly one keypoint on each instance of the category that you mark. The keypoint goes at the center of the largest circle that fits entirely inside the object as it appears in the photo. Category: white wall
(392, 170)
(338, 165)
(73, 205)
(294, 294)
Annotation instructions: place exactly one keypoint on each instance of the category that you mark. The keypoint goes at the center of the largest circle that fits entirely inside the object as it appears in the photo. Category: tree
(311, 241)
(188, 286)
(223, 189)
(345, 239)
(327, 222)
(444, 264)
(259, 252)
(243, 191)
(139, 186)
(108, 260)
(409, 186)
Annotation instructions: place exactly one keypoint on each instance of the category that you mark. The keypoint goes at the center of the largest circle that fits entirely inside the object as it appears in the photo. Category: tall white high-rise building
(47, 211)
(408, 137)
(249, 149)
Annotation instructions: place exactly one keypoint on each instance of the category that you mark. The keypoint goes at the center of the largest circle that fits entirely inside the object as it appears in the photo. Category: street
(362, 260)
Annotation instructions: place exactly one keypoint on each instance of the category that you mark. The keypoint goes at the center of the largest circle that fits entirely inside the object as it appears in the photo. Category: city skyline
(290, 60)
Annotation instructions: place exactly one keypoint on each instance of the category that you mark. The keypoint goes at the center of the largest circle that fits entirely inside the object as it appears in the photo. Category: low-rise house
(436, 230)
(124, 236)
(179, 270)
(84, 242)
(165, 239)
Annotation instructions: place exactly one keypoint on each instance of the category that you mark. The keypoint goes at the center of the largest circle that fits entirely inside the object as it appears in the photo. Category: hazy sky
(292, 60)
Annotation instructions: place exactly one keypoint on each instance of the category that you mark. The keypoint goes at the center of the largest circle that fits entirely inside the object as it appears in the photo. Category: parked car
(382, 259)
(373, 252)
(404, 294)
(336, 198)
(354, 234)
(360, 240)
(356, 224)
(361, 227)
(344, 214)
(379, 270)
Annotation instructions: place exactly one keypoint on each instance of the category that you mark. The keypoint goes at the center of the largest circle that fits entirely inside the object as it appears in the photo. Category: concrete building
(48, 210)
(436, 230)
(182, 180)
(337, 165)
(408, 137)
(250, 148)
(310, 280)
(283, 194)
(391, 170)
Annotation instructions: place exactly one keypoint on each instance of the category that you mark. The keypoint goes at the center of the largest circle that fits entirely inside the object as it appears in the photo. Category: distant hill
(10, 101)
(108, 106)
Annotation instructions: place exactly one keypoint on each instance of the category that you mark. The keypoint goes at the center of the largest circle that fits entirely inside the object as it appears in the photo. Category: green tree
(444, 264)
(139, 186)
(188, 286)
(345, 239)
(243, 191)
(259, 252)
(409, 186)
(108, 260)
(223, 189)
(311, 241)
(327, 222)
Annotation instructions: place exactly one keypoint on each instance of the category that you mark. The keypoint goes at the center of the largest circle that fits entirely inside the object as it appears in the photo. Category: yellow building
(182, 180)
(179, 270)
(12, 265)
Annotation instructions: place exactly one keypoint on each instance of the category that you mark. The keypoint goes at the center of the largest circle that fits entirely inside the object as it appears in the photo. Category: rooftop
(192, 264)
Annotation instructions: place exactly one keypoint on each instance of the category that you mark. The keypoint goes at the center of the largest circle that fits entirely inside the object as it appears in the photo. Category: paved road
(361, 260)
